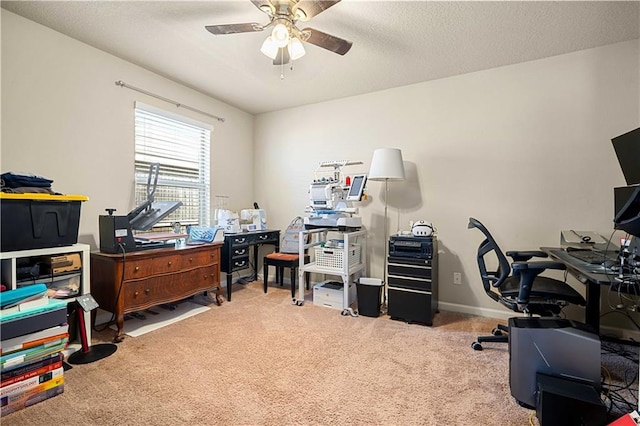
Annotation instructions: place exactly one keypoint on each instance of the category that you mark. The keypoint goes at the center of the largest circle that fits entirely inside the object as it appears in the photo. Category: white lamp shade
(269, 48)
(280, 35)
(387, 165)
(296, 49)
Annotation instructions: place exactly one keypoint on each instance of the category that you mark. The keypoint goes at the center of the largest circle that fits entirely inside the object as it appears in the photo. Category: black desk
(593, 276)
(235, 251)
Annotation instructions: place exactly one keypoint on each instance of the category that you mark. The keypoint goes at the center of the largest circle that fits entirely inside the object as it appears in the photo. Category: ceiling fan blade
(234, 28)
(282, 58)
(313, 7)
(327, 41)
(264, 5)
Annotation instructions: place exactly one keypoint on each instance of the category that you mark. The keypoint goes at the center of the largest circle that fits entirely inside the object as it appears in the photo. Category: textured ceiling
(394, 43)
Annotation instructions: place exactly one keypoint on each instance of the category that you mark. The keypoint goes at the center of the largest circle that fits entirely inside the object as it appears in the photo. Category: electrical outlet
(457, 278)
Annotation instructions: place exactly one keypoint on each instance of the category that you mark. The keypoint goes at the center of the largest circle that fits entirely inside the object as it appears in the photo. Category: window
(181, 146)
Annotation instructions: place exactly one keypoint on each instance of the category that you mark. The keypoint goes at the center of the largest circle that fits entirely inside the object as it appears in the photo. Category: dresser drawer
(237, 252)
(201, 258)
(409, 270)
(164, 289)
(268, 237)
(418, 284)
(239, 240)
(239, 263)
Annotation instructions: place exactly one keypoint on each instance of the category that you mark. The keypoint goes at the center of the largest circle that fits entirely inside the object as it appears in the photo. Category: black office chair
(523, 291)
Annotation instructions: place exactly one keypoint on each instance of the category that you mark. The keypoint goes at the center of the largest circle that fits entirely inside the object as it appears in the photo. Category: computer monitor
(627, 205)
(627, 147)
(357, 187)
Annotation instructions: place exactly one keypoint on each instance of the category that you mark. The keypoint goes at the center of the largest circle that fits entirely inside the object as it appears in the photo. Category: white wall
(63, 117)
(525, 149)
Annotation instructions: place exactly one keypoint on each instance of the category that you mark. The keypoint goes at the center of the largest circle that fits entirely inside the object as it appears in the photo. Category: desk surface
(586, 271)
(593, 276)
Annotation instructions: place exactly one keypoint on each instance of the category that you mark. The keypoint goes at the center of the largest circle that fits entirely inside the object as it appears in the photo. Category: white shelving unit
(316, 237)
(8, 268)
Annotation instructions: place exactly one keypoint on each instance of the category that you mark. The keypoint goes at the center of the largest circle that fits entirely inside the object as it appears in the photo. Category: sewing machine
(330, 195)
(228, 220)
(253, 220)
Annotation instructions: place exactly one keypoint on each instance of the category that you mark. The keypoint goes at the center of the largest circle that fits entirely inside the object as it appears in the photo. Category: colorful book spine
(51, 305)
(30, 374)
(38, 393)
(31, 354)
(25, 368)
(33, 343)
(30, 383)
(18, 369)
(7, 344)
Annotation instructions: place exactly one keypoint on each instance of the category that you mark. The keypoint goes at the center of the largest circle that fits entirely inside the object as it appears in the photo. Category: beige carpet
(259, 360)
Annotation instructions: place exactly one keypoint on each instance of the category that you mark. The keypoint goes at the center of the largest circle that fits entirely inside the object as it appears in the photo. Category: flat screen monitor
(627, 205)
(627, 149)
(357, 187)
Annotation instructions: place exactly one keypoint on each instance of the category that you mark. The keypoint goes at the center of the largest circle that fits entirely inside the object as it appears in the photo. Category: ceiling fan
(285, 42)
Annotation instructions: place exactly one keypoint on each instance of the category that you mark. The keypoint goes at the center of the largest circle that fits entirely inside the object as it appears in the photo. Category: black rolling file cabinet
(412, 279)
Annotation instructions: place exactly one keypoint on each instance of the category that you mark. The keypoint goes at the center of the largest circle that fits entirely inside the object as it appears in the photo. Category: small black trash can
(369, 291)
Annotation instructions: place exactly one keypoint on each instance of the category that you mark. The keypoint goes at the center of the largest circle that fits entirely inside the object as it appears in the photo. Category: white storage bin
(333, 257)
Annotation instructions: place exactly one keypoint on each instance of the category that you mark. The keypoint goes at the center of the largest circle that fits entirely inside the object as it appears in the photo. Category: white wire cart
(348, 260)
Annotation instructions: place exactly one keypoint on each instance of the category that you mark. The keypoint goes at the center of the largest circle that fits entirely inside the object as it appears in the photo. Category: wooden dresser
(141, 279)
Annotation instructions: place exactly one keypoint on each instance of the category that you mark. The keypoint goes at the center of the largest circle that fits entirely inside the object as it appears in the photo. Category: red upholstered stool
(281, 261)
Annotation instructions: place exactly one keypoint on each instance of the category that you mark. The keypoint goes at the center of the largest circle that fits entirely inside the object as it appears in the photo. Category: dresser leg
(120, 324)
(219, 295)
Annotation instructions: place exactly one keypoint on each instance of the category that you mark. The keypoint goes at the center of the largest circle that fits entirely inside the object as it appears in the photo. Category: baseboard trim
(621, 333)
(474, 310)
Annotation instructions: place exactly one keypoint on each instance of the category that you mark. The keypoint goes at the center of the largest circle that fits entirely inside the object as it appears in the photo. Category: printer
(411, 246)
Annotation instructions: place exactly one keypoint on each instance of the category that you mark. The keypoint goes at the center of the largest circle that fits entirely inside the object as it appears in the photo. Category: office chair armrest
(538, 266)
(523, 256)
(528, 271)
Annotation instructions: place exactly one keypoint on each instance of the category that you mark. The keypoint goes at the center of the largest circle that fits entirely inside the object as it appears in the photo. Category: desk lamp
(386, 166)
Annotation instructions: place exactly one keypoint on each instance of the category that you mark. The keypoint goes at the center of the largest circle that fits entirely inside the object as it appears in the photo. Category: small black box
(34, 220)
(565, 402)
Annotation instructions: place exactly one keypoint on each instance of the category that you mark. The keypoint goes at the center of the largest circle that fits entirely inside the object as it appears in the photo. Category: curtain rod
(177, 104)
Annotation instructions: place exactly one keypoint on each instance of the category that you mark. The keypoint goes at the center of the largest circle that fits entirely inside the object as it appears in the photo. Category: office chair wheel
(476, 346)
(496, 332)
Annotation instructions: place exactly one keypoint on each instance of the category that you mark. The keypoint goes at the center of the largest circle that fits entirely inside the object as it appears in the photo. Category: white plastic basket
(332, 258)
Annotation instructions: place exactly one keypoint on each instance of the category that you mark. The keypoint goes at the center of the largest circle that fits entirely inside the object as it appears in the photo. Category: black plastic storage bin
(369, 291)
(34, 221)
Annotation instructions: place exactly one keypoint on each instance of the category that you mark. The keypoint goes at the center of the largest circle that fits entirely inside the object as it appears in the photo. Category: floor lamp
(386, 166)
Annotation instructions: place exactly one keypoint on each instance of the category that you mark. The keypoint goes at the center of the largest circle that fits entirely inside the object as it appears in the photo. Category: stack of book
(34, 331)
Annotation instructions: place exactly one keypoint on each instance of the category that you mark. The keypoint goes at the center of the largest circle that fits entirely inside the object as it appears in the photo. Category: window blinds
(182, 148)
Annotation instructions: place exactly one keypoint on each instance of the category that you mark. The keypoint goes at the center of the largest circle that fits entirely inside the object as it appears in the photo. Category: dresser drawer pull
(239, 252)
(136, 293)
(240, 240)
(169, 263)
(147, 291)
(191, 259)
(136, 269)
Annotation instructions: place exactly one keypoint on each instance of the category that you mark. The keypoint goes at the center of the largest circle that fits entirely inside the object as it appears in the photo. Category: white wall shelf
(8, 272)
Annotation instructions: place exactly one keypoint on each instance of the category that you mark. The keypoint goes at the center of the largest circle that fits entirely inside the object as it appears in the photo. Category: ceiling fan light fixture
(269, 48)
(296, 49)
(280, 35)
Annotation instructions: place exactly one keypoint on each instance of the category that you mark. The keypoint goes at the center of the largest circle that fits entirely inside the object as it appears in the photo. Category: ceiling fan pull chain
(282, 64)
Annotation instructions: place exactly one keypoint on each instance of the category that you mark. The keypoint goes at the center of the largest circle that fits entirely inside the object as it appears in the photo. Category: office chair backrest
(490, 278)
